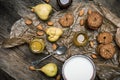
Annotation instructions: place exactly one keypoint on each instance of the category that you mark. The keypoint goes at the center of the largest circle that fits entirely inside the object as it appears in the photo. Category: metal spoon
(60, 50)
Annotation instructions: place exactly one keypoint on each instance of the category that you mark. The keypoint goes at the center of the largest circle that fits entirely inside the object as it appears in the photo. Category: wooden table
(15, 61)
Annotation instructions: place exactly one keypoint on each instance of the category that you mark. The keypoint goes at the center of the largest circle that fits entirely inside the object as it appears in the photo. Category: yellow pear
(43, 11)
(50, 69)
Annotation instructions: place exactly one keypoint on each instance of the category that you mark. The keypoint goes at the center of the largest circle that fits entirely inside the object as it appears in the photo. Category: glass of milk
(79, 67)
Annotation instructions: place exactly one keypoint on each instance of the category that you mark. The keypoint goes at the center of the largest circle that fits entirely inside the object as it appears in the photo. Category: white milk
(78, 68)
(64, 1)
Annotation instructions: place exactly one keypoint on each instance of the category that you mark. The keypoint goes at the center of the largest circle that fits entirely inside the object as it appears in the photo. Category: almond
(40, 33)
(28, 21)
(58, 77)
(54, 46)
(32, 68)
(92, 44)
(50, 23)
(40, 27)
(89, 11)
(94, 56)
(82, 21)
(32, 10)
(81, 13)
(47, 1)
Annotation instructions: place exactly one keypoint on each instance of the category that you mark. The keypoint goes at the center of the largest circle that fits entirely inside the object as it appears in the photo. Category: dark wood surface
(15, 61)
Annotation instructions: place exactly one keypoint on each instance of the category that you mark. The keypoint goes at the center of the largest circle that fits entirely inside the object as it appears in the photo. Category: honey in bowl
(80, 39)
(79, 67)
(37, 45)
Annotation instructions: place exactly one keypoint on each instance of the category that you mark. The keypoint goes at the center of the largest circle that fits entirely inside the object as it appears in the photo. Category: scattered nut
(40, 27)
(58, 77)
(81, 13)
(50, 23)
(94, 56)
(92, 44)
(40, 33)
(47, 1)
(32, 10)
(82, 21)
(89, 11)
(54, 46)
(28, 21)
(32, 68)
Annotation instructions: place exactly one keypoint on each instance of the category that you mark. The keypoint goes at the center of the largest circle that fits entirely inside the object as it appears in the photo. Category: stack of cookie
(106, 49)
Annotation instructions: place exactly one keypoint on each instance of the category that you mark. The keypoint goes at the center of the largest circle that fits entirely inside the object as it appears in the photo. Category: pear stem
(37, 69)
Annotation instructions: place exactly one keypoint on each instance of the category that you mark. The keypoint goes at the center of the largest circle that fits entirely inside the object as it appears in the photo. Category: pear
(43, 11)
(49, 69)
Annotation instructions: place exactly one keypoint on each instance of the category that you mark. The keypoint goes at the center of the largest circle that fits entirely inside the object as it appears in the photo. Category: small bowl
(64, 5)
(78, 36)
(85, 70)
(37, 43)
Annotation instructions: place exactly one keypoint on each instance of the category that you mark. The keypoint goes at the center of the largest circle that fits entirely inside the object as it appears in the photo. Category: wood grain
(15, 61)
